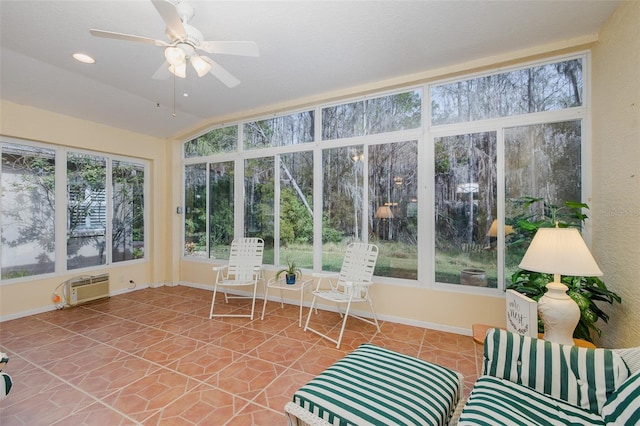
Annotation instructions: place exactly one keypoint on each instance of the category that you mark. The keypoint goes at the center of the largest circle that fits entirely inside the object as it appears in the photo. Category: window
(391, 113)
(343, 203)
(465, 206)
(393, 208)
(542, 161)
(547, 87)
(221, 209)
(296, 209)
(127, 183)
(104, 199)
(290, 129)
(28, 211)
(195, 210)
(316, 180)
(214, 142)
(86, 210)
(259, 203)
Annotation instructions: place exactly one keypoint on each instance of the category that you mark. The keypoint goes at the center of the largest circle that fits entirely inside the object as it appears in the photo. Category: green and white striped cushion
(373, 385)
(581, 376)
(495, 402)
(623, 407)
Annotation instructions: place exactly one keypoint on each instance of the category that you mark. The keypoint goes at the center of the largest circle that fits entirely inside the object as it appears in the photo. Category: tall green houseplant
(585, 291)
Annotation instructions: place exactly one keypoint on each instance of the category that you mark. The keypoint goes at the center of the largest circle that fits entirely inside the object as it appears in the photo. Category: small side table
(281, 285)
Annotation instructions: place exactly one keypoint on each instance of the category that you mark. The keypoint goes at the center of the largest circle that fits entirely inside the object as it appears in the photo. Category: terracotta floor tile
(32, 341)
(96, 414)
(117, 328)
(246, 377)
(210, 331)
(55, 401)
(141, 339)
(405, 347)
(170, 349)
(147, 396)
(102, 370)
(70, 346)
(66, 316)
(22, 327)
(272, 324)
(205, 362)
(281, 390)
(154, 357)
(256, 415)
(281, 350)
(243, 339)
(317, 359)
(204, 405)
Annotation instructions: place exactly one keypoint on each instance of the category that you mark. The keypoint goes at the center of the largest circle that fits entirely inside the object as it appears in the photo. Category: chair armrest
(219, 268)
(325, 275)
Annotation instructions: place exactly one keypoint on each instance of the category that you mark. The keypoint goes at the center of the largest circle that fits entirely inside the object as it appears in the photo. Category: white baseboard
(290, 301)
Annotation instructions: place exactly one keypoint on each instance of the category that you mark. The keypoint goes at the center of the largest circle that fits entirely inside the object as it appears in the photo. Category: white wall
(19, 121)
(615, 208)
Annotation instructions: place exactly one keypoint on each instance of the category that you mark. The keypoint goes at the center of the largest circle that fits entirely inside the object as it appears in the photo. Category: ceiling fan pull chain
(174, 95)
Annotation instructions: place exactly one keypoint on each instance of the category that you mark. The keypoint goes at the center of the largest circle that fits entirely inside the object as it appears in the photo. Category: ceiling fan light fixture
(201, 66)
(179, 70)
(174, 55)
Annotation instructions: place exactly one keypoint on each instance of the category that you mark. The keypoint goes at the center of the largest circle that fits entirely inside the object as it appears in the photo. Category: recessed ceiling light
(185, 95)
(83, 58)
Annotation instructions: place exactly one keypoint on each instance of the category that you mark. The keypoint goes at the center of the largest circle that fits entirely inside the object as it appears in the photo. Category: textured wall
(615, 205)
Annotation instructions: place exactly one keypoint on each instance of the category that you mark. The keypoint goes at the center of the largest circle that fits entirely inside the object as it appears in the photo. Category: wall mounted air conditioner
(86, 289)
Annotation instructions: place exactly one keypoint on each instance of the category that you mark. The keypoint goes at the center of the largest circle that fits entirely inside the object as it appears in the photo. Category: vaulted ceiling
(307, 48)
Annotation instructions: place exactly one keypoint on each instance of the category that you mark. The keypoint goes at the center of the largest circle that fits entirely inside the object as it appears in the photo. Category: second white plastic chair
(351, 286)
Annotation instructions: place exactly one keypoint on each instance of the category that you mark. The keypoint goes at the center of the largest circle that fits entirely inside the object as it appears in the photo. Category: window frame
(425, 135)
(60, 218)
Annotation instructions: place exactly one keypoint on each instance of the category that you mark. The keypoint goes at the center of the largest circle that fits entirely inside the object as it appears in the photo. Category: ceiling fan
(183, 43)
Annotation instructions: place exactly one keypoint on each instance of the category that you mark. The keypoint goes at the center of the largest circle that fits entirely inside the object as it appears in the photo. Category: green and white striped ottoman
(377, 386)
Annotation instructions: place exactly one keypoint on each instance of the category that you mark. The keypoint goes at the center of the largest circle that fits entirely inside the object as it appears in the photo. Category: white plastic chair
(243, 269)
(351, 286)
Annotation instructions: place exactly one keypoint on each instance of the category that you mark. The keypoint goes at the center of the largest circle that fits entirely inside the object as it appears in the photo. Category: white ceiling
(307, 48)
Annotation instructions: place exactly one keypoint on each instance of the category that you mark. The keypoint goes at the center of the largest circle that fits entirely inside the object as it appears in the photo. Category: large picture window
(316, 180)
(103, 221)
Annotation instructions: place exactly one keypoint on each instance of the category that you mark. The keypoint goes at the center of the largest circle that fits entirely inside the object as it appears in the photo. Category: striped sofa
(377, 386)
(529, 381)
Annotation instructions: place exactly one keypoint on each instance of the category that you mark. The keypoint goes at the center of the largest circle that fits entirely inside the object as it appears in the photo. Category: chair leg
(344, 323)
(313, 302)
(264, 304)
(213, 299)
(375, 317)
(253, 302)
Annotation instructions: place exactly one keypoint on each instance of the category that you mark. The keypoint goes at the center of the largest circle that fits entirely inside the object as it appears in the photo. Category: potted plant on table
(291, 272)
(585, 291)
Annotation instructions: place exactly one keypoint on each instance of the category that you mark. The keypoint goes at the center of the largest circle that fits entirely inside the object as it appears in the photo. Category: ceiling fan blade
(241, 48)
(162, 73)
(221, 74)
(127, 37)
(171, 18)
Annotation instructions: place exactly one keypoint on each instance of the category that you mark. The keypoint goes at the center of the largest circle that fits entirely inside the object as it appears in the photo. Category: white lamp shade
(174, 55)
(179, 70)
(560, 251)
(201, 66)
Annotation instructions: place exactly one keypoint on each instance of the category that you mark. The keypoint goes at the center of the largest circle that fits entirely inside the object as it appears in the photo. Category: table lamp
(559, 251)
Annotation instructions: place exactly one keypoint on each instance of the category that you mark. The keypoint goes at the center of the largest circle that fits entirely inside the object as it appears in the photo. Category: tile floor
(154, 357)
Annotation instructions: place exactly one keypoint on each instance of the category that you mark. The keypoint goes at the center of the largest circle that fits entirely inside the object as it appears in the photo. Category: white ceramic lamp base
(559, 314)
